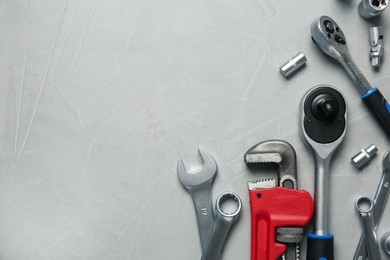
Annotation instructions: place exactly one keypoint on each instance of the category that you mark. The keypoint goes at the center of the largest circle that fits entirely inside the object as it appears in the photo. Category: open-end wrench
(330, 39)
(323, 126)
(278, 209)
(365, 207)
(223, 221)
(198, 183)
(380, 199)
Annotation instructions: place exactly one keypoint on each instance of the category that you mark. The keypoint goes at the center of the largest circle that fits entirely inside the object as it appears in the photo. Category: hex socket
(369, 9)
(293, 64)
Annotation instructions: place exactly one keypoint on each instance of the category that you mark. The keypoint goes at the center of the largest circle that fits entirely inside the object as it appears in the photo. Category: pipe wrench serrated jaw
(278, 152)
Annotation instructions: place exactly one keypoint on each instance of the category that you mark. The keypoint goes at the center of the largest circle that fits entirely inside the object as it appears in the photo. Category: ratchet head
(195, 178)
(279, 152)
(329, 38)
(323, 119)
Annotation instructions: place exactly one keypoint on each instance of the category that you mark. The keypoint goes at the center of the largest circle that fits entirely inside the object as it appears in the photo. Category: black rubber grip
(320, 247)
(379, 107)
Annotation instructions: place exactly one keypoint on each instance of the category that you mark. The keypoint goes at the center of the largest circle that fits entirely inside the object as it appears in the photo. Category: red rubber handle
(273, 208)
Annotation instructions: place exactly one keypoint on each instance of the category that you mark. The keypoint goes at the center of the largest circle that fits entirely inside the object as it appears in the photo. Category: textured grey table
(99, 99)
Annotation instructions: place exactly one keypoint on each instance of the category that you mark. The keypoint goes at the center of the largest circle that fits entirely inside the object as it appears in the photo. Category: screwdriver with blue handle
(330, 39)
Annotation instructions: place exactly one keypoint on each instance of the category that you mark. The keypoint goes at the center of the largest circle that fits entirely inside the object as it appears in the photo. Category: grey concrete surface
(99, 99)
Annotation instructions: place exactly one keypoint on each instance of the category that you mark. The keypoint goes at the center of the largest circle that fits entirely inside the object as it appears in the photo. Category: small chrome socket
(364, 156)
(293, 65)
(370, 8)
(377, 48)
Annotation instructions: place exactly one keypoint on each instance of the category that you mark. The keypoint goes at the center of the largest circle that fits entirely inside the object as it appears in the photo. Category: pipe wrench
(278, 209)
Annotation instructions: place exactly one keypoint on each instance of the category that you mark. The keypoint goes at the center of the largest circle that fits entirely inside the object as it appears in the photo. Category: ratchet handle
(379, 106)
(320, 247)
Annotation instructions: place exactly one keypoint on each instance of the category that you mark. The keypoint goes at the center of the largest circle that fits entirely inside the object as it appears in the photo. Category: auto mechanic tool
(364, 206)
(364, 156)
(212, 230)
(278, 209)
(330, 39)
(323, 126)
(293, 64)
(223, 221)
(380, 200)
(385, 243)
(371, 8)
(198, 184)
(377, 49)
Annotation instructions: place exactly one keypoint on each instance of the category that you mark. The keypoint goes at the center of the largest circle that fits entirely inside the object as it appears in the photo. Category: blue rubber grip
(379, 107)
(320, 247)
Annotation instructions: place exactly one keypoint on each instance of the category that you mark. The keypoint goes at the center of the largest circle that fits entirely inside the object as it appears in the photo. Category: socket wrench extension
(323, 126)
(223, 221)
(364, 206)
(380, 199)
(330, 39)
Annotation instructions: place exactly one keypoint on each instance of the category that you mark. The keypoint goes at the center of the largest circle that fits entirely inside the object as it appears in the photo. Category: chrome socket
(293, 64)
(364, 156)
(371, 8)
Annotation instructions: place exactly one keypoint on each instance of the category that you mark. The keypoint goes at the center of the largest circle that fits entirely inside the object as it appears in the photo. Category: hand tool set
(279, 210)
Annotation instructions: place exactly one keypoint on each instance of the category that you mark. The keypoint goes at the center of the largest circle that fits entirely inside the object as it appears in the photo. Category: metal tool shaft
(321, 195)
(222, 224)
(356, 75)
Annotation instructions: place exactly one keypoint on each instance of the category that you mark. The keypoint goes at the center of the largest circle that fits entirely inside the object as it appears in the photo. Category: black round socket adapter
(325, 107)
(329, 26)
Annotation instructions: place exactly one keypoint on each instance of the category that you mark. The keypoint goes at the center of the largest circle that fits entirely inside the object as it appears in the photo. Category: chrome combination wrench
(365, 207)
(380, 200)
(212, 230)
(323, 126)
(329, 37)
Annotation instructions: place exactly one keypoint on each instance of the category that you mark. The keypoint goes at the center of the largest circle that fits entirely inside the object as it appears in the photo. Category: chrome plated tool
(364, 156)
(223, 221)
(380, 200)
(377, 48)
(198, 184)
(385, 243)
(364, 206)
(329, 37)
(323, 126)
(370, 8)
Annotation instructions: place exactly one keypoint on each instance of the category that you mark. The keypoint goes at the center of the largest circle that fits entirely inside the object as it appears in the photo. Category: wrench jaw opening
(198, 183)
(278, 209)
(207, 172)
(277, 152)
